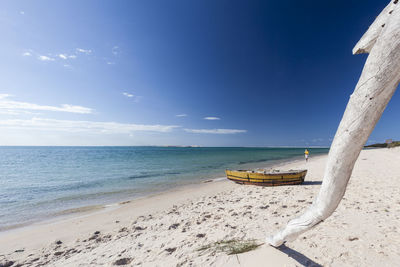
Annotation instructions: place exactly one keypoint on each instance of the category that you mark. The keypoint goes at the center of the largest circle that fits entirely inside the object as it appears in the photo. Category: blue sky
(210, 73)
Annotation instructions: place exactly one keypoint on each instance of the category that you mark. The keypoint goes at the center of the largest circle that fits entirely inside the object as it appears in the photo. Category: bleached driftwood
(378, 82)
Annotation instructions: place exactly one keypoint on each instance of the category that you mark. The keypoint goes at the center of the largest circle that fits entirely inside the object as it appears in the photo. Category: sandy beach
(169, 229)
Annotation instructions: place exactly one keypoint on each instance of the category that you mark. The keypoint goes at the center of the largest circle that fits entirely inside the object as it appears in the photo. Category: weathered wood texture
(378, 82)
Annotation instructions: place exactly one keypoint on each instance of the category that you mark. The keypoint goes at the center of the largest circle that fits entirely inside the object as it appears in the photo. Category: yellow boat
(266, 177)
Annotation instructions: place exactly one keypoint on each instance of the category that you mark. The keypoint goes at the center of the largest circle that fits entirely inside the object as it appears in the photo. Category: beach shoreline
(201, 187)
(89, 209)
(167, 229)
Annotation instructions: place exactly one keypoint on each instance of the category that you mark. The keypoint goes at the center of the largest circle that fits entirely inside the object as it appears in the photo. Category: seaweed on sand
(232, 246)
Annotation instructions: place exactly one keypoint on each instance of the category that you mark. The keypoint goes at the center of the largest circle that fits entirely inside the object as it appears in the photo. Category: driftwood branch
(378, 82)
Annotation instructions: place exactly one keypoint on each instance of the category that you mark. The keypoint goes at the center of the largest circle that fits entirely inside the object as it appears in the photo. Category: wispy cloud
(115, 50)
(7, 104)
(57, 57)
(17, 112)
(135, 98)
(128, 94)
(315, 140)
(84, 51)
(110, 63)
(45, 58)
(212, 118)
(83, 126)
(215, 131)
(2, 96)
(8, 112)
(181, 115)
(22, 12)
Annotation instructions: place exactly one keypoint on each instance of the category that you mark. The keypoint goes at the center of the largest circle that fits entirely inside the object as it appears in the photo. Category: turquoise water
(41, 182)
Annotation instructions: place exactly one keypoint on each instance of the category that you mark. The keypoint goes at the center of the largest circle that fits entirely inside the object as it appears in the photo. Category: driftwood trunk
(378, 82)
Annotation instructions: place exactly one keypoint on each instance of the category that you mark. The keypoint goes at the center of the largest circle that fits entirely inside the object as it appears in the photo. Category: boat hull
(266, 179)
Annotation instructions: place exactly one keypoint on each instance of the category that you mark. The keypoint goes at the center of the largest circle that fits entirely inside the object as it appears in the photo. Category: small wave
(214, 166)
(79, 210)
(253, 161)
(219, 179)
(8, 227)
(7, 201)
(86, 196)
(173, 173)
(141, 176)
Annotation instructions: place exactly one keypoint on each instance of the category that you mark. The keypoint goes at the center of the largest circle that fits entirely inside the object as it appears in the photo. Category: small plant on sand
(232, 246)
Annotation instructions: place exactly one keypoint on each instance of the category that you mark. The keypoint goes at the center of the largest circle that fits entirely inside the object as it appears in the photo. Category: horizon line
(183, 146)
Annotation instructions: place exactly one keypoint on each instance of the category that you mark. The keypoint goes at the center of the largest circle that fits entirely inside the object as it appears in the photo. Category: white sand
(169, 228)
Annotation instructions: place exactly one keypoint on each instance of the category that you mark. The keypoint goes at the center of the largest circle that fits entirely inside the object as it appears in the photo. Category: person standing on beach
(306, 154)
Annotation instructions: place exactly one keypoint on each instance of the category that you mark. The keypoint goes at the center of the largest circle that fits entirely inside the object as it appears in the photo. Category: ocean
(38, 183)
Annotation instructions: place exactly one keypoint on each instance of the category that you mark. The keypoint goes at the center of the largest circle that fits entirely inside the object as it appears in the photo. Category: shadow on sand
(297, 256)
(311, 183)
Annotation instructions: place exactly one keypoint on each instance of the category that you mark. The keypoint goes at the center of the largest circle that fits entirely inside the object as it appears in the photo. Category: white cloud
(181, 115)
(45, 58)
(110, 63)
(83, 126)
(17, 112)
(72, 56)
(135, 98)
(22, 12)
(115, 50)
(63, 56)
(2, 96)
(128, 94)
(85, 51)
(27, 54)
(16, 105)
(9, 112)
(212, 118)
(215, 131)
(317, 140)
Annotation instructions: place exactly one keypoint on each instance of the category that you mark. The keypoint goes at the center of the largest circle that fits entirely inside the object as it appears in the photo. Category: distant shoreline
(172, 146)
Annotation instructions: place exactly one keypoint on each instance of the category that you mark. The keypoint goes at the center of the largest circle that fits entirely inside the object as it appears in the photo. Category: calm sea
(41, 182)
